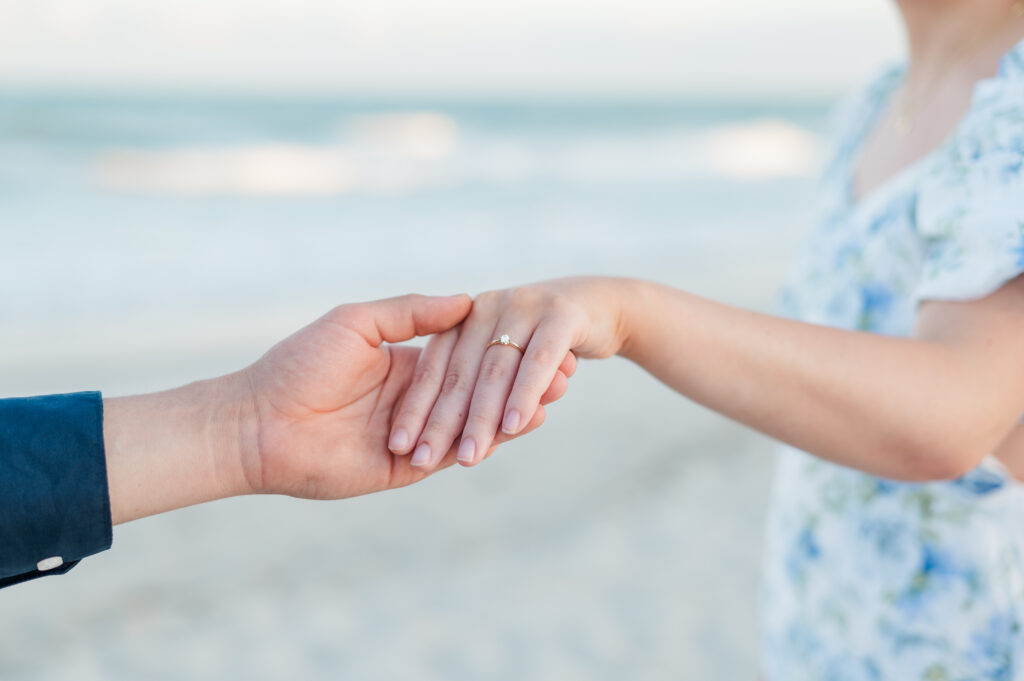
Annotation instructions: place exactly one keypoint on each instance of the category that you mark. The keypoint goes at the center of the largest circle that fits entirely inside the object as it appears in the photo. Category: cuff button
(49, 563)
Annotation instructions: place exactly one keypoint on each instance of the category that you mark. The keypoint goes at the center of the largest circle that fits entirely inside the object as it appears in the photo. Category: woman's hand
(462, 386)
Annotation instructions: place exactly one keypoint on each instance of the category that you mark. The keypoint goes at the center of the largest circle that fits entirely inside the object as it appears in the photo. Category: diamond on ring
(505, 339)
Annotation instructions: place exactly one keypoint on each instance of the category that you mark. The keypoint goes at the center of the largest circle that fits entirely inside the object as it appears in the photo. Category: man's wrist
(231, 433)
(175, 448)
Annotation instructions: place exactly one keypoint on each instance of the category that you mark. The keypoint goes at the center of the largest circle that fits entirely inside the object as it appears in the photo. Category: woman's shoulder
(987, 148)
(969, 211)
(995, 121)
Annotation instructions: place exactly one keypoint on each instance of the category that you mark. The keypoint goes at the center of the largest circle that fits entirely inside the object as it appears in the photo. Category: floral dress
(873, 579)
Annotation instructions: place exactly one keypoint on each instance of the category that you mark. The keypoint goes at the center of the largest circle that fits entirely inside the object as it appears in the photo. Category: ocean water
(148, 241)
(120, 214)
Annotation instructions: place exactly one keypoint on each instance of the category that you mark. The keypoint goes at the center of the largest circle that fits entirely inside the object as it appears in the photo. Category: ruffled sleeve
(970, 208)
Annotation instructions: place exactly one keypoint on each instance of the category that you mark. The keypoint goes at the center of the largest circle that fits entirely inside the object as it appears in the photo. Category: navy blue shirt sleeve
(54, 500)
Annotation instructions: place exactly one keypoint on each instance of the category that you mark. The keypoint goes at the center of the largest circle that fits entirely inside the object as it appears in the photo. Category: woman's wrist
(608, 304)
(632, 308)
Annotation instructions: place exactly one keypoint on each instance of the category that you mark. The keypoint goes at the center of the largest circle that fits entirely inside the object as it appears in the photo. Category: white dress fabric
(873, 579)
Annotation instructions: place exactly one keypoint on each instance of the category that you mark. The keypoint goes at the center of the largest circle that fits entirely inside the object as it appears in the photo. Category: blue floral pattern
(874, 579)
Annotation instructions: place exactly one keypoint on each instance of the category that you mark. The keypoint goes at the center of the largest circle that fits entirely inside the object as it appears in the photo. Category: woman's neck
(945, 35)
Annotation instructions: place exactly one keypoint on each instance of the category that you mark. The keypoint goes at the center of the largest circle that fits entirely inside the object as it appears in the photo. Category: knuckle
(493, 370)
(543, 354)
(437, 429)
(433, 429)
(519, 398)
(454, 383)
(524, 295)
(479, 421)
(439, 346)
(488, 299)
(564, 306)
(426, 375)
(413, 411)
(446, 337)
(408, 418)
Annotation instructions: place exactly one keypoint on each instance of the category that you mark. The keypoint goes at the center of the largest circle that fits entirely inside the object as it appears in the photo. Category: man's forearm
(174, 448)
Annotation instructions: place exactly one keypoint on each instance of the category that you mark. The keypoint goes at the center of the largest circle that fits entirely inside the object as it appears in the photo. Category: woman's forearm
(896, 407)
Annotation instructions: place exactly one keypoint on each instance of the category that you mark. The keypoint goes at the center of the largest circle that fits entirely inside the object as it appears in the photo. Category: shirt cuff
(54, 499)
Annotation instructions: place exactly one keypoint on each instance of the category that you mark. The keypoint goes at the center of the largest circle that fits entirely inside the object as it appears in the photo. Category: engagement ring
(503, 339)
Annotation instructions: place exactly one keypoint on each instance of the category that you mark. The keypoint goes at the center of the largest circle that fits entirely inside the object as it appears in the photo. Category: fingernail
(422, 455)
(467, 450)
(399, 439)
(511, 423)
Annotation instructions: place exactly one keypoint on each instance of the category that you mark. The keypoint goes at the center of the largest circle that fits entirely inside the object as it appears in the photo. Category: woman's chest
(859, 264)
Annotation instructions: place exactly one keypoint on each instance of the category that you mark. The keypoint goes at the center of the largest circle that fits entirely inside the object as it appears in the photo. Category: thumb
(399, 319)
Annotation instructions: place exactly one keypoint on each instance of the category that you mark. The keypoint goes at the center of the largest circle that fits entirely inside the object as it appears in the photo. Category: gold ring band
(503, 339)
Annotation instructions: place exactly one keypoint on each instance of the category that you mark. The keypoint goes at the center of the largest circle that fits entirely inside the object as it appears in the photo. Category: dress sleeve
(54, 499)
(970, 208)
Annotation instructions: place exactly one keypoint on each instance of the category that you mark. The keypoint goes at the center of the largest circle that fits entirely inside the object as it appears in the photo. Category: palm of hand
(325, 399)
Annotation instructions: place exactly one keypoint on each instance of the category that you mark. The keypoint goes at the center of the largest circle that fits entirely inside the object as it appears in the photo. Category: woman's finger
(500, 439)
(536, 422)
(497, 373)
(422, 392)
(449, 458)
(568, 365)
(448, 415)
(560, 383)
(544, 355)
(556, 390)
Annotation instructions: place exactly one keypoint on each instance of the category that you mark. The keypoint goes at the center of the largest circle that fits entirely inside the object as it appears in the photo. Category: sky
(604, 48)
